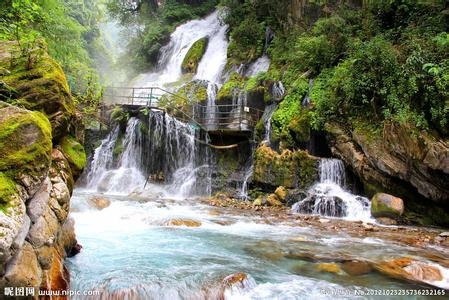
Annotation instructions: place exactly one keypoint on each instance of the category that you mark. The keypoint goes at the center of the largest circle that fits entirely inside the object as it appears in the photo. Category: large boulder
(40, 154)
(406, 268)
(194, 55)
(385, 205)
(25, 149)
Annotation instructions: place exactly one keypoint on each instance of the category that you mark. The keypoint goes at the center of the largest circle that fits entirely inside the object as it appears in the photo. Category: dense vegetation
(70, 30)
(386, 60)
(370, 60)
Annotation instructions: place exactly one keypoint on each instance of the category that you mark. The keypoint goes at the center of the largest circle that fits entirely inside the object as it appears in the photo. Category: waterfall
(102, 159)
(266, 117)
(103, 176)
(278, 91)
(169, 150)
(172, 54)
(307, 99)
(211, 109)
(132, 144)
(258, 66)
(248, 173)
(329, 198)
(332, 171)
(262, 63)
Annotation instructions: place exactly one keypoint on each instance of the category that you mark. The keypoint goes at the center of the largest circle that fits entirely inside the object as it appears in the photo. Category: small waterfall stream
(329, 198)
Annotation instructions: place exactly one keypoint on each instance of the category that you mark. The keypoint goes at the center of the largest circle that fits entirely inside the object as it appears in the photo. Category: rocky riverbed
(176, 247)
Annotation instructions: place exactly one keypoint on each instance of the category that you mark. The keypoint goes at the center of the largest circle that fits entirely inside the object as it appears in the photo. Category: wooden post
(151, 95)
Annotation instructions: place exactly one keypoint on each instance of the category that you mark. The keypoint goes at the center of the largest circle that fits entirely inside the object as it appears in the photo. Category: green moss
(16, 149)
(74, 152)
(190, 93)
(7, 189)
(235, 82)
(307, 168)
(25, 148)
(42, 88)
(299, 127)
(260, 129)
(194, 55)
(291, 169)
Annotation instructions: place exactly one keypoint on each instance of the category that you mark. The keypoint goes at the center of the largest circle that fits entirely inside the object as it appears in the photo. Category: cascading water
(172, 55)
(307, 99)
(328, 197)
(102, 160)
(258, 66)
(278, 91)
(332, 171)
(211, 109)
(266, 117)
(262, 63)
(126, 176)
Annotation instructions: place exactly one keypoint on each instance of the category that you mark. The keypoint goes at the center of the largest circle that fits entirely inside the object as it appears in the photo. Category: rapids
(129, 251)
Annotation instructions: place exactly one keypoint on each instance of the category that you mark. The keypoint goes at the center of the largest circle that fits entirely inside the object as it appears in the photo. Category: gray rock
(39, 202)
(24, 270)
(444, 234)
(20, 237)
(61, 192)
(44, 231)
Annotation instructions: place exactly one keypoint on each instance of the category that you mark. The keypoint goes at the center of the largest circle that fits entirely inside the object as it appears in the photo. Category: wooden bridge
(223, 118)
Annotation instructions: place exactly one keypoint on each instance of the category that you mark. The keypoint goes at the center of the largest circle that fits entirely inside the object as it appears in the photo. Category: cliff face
(405, 162)
(40, 158)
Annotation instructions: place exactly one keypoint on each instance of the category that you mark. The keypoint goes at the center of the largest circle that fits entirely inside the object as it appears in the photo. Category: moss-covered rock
(25, 148)
(194, 55)
(7, 190)
(42, 88)
(74, 152)
(185, 97)
(291, 169)
(385, 205)
(226, 92)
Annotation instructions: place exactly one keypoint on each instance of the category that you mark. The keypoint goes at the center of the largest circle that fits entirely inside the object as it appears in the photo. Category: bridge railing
(213, 117)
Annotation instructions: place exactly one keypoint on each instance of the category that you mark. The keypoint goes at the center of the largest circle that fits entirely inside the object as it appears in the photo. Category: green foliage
(246, 42)
(287, 111)
(118, 115)
(89, 93)
(388, 61)
(69, 29)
